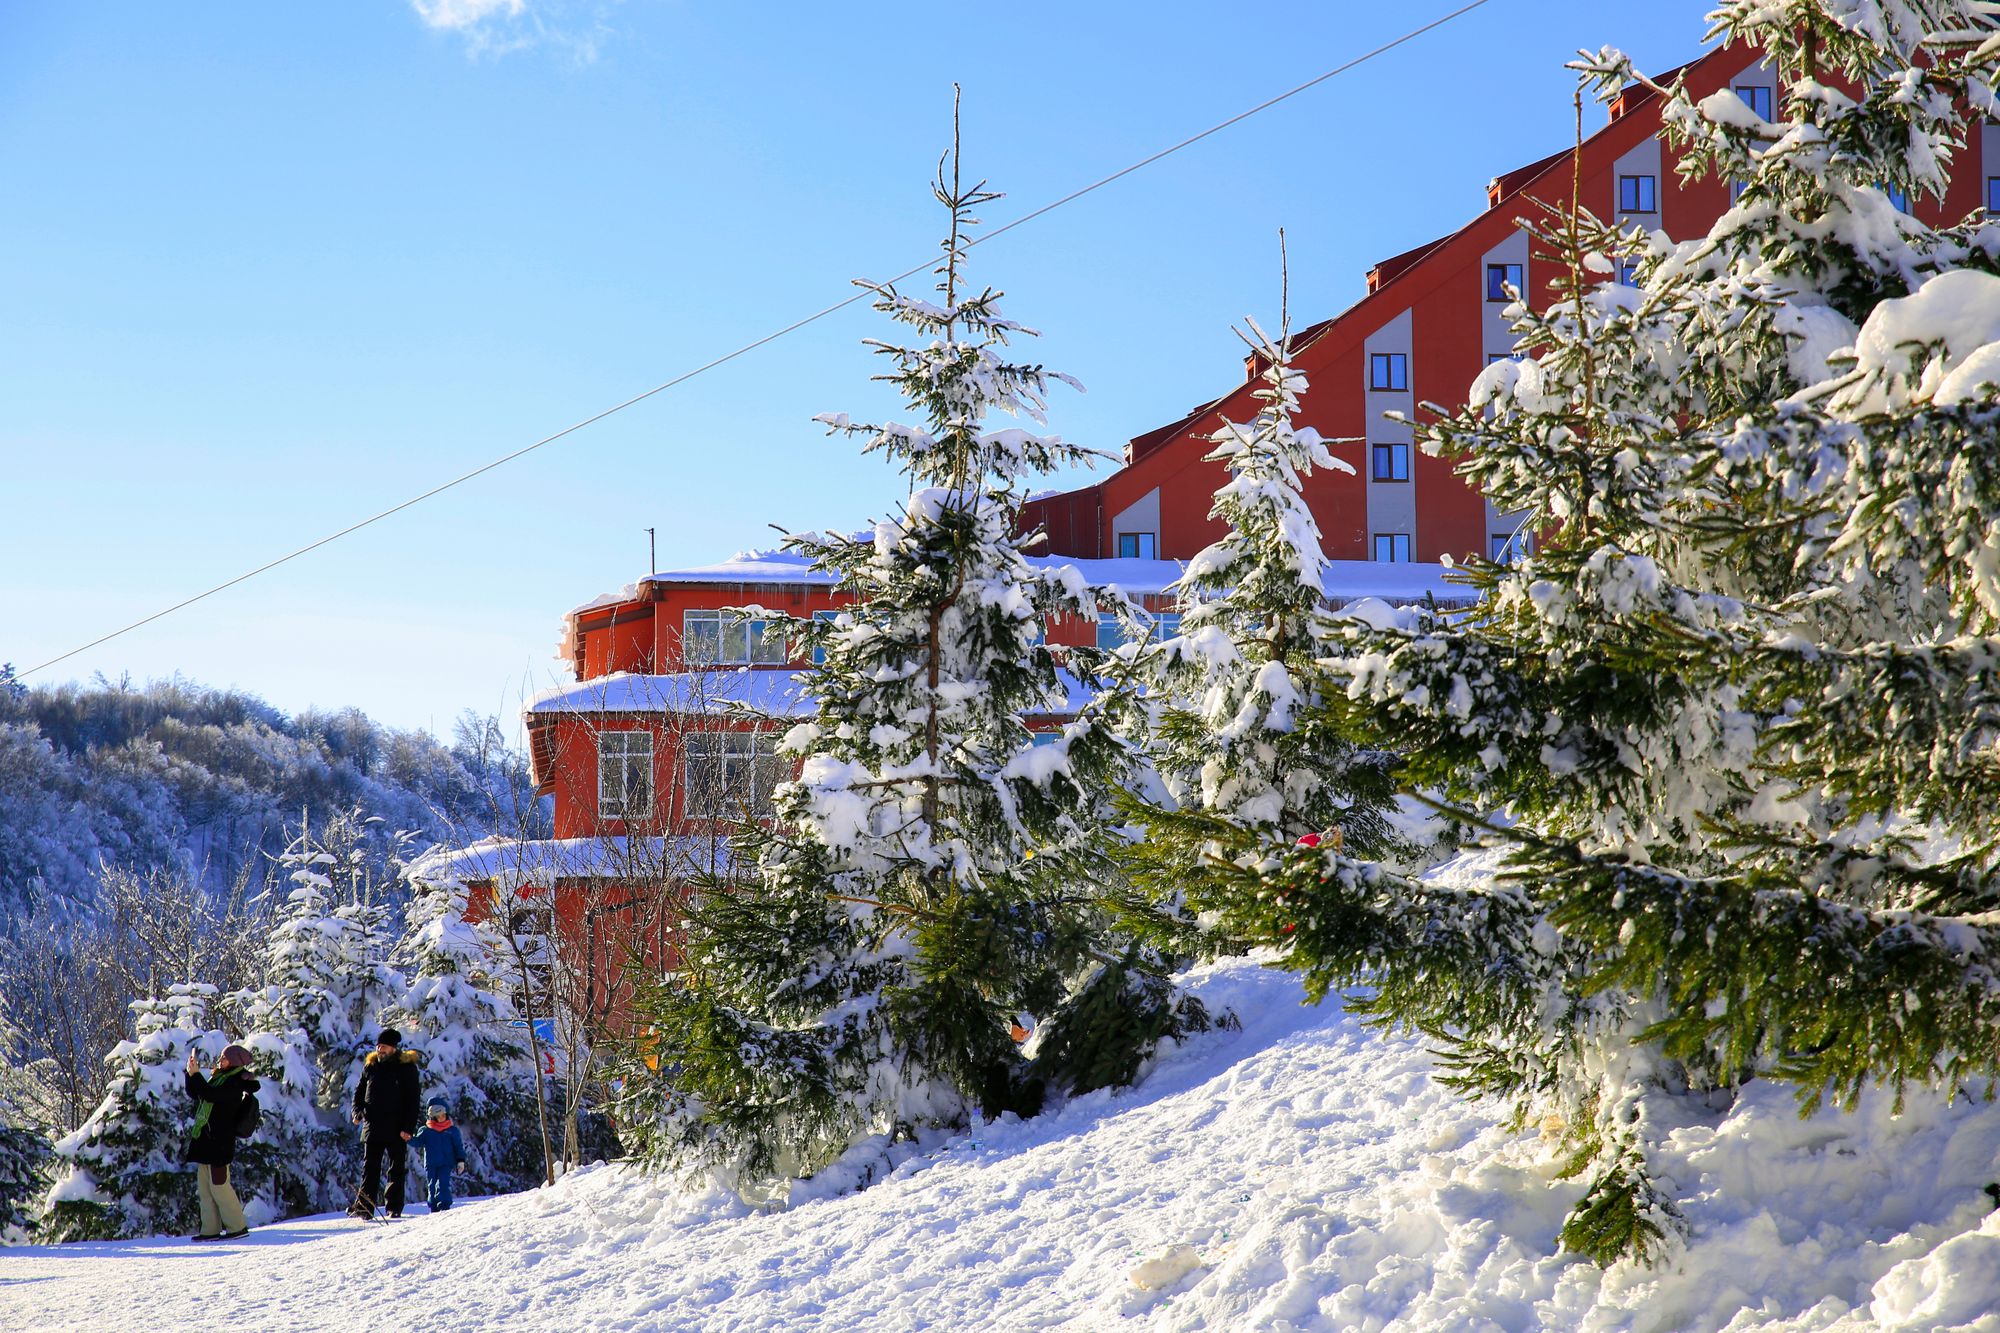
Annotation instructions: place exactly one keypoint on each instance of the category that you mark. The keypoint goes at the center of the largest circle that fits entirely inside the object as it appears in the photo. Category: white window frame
(623, 756)
(1160, 626)
(724, 771)
(722, 638)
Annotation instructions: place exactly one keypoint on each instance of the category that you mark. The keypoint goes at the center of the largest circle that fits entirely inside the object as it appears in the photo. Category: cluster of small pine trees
(335, 973)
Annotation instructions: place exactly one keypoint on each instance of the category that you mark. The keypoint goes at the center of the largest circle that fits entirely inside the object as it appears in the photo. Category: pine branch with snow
(1729, 733)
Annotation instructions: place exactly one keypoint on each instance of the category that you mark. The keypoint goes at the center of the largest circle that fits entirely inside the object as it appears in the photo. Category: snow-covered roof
(542, 861)
(1405, 581)
(766, 689)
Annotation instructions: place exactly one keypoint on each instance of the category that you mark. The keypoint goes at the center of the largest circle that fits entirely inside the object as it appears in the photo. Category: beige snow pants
(221, 1210)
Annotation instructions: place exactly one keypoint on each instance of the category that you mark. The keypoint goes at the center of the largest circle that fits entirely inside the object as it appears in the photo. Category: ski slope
(1321, 1177)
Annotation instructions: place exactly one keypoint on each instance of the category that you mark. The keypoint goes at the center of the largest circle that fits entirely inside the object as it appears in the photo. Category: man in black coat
(386, 1099)
(220, 1096)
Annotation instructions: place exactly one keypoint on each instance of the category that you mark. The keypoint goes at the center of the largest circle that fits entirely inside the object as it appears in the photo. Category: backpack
(249, 1116)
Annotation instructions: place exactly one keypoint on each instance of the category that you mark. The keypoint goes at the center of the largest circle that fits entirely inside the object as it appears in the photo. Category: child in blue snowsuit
(444, 1153)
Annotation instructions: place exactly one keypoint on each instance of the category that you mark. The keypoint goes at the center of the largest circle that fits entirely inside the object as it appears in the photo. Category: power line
(749, 347)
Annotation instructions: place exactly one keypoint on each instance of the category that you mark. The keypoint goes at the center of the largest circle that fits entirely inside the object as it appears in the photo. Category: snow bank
(1321, 1176)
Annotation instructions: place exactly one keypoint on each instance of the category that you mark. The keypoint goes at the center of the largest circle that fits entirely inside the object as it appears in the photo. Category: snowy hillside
(1323, 1179)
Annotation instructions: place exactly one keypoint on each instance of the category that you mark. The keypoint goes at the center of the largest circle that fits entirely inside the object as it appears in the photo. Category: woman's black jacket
(216, 1144)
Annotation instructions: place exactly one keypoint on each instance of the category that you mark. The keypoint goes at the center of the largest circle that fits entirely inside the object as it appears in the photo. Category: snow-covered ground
(1322, 1178)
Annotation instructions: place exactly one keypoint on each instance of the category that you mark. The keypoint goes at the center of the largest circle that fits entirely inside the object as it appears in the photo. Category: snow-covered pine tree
(124, 1172)
(1729, 733)
(295, 1163)
(1244, 781)
(24, 1158)
(327, 971)
(931, 873)
(476, 1056)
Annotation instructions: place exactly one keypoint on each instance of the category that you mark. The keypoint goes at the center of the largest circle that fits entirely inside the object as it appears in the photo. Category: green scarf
(207, 1107)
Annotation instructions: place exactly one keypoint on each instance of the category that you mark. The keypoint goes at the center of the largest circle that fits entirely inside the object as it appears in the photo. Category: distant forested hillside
(140, 831)
(205, 783)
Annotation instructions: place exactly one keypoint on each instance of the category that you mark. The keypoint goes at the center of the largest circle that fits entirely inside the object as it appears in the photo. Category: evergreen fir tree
(124, 1172)
(327, 973)
(1242, 777)
(476, 1052)
(1729, 732)
(24, 1159)
(930, 874)
(297, 1162)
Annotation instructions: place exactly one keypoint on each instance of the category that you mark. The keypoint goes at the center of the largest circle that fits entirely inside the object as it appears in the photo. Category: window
(1628, 273)
(1491, 357)
(1507, 548)
(1392, 546)
(1899, 198)
(1389, 371)
(726, 773)
(819, 650)
(1392, 463)
(1111, 631)
(624, 774)
(1757, 99)
(1635, 195)
(1499, 277)
(1044, 737)
(709, 638)
(1135, 546)
(1993, 195)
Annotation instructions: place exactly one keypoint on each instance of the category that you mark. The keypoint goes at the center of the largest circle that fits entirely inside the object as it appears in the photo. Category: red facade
(1440, 290)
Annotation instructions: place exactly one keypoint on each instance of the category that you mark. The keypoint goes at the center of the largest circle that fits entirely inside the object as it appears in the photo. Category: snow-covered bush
(1730, 731)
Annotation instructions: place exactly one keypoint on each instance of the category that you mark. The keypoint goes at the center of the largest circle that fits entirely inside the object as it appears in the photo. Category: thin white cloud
(497, 27)
(465, 15)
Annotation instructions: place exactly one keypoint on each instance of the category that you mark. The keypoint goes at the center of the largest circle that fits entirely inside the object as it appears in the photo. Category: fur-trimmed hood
(406, 1057)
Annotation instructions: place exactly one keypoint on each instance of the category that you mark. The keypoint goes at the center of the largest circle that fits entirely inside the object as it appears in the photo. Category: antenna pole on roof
(652, 553)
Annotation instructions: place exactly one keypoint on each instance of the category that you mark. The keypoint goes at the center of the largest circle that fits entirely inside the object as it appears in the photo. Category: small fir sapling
(932, 872)
(1224, 697)
(1729, 732)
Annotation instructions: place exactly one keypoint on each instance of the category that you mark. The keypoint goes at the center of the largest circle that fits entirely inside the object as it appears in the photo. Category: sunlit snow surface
(1324, 1179)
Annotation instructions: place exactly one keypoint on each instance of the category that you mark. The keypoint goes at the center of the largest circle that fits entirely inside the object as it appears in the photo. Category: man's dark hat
(389, 1037)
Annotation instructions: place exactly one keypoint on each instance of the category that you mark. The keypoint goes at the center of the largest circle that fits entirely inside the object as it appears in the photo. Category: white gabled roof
(539, 862)
(710, 693)
(765, 689)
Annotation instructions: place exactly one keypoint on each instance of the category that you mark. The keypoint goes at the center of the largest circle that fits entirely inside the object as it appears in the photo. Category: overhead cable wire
(869, 291)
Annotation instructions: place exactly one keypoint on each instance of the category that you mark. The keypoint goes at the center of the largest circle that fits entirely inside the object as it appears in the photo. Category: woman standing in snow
(220, 1096)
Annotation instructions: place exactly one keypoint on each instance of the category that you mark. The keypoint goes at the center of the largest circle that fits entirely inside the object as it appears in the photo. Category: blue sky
(267, 269)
